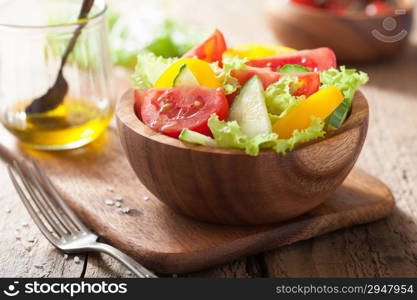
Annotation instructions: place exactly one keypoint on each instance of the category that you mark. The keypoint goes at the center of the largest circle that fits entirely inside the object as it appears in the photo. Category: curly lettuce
(149, 68)
(279, 99)
(346, 80)
(314, 131)
(229, 135)
(230, 84)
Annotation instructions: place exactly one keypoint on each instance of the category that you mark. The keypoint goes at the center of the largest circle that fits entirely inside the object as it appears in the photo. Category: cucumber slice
(190, 136)
(338, 117)
(249, 109)
(293, 69)
(185, 77)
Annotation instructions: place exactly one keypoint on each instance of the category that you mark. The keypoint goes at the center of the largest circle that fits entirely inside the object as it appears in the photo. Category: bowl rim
(407, 6)
(125, 113)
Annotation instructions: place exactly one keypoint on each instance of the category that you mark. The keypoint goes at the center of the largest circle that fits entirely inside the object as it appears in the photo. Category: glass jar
(33, 38)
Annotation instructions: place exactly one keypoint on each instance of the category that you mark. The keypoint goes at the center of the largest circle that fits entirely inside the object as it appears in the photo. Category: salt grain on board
(146, 198)
(8, 210)
(118, 204)
(119, 198)
(77, 260)
(25, 224)
(110, 189)
(65, 256)
(109, 202)
(124, 210)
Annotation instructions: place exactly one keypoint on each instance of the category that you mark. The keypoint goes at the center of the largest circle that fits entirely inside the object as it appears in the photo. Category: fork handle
(129, 262)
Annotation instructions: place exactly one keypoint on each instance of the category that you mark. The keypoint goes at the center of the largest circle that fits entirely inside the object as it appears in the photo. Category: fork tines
(43, 202)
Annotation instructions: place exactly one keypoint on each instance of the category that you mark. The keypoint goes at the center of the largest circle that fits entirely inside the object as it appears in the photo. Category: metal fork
(57, 221)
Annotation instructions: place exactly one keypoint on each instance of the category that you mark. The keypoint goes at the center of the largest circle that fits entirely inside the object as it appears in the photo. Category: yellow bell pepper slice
(201, 70)
(253, 51)
(321, 105)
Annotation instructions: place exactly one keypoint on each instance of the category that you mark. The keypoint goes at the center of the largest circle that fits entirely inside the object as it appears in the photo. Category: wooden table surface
(387, 248)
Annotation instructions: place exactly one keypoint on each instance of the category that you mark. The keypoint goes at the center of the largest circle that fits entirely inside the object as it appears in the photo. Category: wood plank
(25, 252)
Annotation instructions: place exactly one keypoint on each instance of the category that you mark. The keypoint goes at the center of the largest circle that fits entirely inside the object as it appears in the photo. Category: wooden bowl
(229, 187)
(355, 39)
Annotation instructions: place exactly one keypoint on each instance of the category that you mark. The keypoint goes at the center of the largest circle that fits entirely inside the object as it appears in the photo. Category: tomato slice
(267, 76)
(319, 59)
(169, 111)
(211, 50)
(310, 84)
(310, 80)
(200, 69)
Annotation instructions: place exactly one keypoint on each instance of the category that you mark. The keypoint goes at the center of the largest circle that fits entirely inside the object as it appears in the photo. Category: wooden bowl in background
(229, 187)
(355, 39)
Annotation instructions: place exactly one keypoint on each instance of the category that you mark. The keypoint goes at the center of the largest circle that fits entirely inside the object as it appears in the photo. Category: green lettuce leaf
(315, 130)
(230, 84)
(279, 98)
(149, 68)
(347, 80)
(264, 141)
(273, 118)
(229, 135)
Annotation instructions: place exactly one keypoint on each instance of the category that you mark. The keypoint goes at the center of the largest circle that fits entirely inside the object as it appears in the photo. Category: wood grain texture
(227, 186)
(385, 248)
(24, 251)
(168, 242)
(353, 38)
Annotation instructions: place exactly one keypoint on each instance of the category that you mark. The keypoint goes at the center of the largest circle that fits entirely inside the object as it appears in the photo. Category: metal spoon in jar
(56, 94)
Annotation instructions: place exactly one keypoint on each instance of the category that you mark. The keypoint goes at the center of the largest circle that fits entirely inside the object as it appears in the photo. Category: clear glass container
(33, 37)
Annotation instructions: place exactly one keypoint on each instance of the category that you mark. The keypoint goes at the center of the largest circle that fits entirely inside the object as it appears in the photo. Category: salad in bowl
(250, 97)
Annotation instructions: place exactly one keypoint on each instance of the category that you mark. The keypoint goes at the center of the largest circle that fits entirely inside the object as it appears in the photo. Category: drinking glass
(33, 37)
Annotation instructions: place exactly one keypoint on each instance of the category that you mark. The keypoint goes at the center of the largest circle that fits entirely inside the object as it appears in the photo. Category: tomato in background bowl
(352, 7)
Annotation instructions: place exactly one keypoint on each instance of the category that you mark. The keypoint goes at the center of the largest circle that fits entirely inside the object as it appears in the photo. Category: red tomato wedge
(319, 59)
(310, 80)
(267, 76)
(169, 111)
(211, 50)
(310, 84)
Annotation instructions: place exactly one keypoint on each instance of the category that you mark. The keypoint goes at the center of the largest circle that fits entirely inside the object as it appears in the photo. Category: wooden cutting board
(170, 243)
